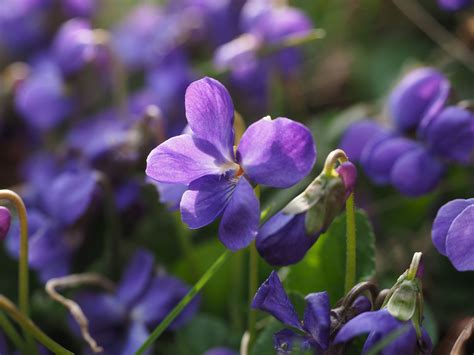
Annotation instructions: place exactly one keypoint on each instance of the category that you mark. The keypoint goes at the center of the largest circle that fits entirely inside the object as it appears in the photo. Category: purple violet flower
(356, 137)
(380, 324)
(418, 97)
(121, 321)
(80, 8)
(272, 298)
(453, 233)
(454, 5)
(275, 153)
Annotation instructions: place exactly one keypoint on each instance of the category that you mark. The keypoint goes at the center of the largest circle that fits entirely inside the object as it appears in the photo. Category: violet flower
(356, 137)
(275, 153)
(313, 330)
(380, 324)
(80, 8)
(454, 5)
(41, 99)
(286, 237)
(121, 321)
(453, 233)
(419, 96)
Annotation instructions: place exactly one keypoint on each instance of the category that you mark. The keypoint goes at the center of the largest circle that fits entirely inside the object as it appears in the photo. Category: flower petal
(277, 153)
(136, 277)
(239, 224)
(205, 200)
(137, 334)
(210, 114)
(460, 240)
(283, 240)
(443, 220)
(416, 172)
(316, 317)
(183, 159)
(272, 298)
(356, 137)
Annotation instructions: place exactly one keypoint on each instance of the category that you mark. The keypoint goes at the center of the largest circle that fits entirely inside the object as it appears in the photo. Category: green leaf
(202, 333)
(323, 267)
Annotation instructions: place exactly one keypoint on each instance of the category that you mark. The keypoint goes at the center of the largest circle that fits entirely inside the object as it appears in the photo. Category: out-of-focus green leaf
(323, 267)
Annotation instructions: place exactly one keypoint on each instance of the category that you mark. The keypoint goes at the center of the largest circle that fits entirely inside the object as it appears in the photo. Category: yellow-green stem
(12, 334)
(351, 242)
(30, 328)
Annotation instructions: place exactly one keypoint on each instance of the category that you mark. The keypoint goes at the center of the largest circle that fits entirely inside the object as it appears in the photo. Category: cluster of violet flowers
(428, 133)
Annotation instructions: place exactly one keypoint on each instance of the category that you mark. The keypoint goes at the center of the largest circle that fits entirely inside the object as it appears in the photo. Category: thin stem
(184, 302)
(337, 155)
(253, 285)
(184, 236)
(12, 334)
(350, 245)
(30, 328)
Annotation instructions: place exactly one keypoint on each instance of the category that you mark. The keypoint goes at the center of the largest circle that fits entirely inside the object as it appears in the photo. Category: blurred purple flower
(41, 99)
(454, 5)
(276, 153)
(380, 324)
(453, 233)
(5, 221)
(356, 137)
(418, 97)
(450, 135)
(221, 351)
(316, 323)
(80, 8)
(121, 321)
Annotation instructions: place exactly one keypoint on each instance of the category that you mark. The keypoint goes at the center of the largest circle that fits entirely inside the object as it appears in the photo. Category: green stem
(30, 328)
(12, 334)
(253, 285)
(350, 245)
(237, 286)
(184, 236)
(184, 302)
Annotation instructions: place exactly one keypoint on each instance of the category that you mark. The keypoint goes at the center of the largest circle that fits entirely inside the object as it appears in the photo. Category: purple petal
(161, 297)
(137, 334)
(283, 240)
(444, 218)
(381, 154)
(316, 317)
(220, 351)
(205, 200)
(103, 310)
(416, 172)
(5, 221)
(283, 341)
(460, 240)
(70, 194)
(239, 223)
(136, 277)
(454, 5)
(183, 159)
(451, 134)
(348, 174)
(277, 153)
(272, 298)
(80, 8)
(210, 114)
(356, 137)
(418, 97)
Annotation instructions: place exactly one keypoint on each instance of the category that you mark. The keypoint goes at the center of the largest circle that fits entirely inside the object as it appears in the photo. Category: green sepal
(403, 303)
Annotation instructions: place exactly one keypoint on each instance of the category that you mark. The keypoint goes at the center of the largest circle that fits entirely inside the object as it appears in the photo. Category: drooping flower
(121, 321)
(286, 237)
(453, 233)
(5, 220)
(418, 97)
(313, 329)
(276, 153)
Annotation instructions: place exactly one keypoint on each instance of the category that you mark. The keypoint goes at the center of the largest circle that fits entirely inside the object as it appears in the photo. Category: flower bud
(5, 220)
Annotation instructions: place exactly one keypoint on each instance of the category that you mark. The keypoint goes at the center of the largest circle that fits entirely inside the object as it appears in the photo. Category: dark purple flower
(453, 233)
(42, 99)
(450, 135)
(356, 137)
(74, 45)
(276, 153)
(80, 8)
(315, 326)
(5, 221)
(418, 97)
(454, 5)
(286, 237)
(379, 324)
(121, 321)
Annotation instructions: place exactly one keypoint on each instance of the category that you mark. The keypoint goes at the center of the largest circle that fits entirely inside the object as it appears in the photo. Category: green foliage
(323, 267)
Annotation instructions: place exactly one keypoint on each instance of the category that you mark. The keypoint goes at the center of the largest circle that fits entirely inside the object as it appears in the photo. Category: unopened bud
(5, 220)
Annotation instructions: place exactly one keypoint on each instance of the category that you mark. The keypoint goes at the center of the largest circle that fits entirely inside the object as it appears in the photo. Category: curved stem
(185, 301)
(12, 334)
(351, 242)
(29, 327)
(337, 155)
